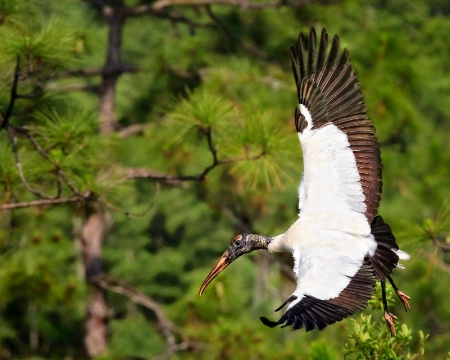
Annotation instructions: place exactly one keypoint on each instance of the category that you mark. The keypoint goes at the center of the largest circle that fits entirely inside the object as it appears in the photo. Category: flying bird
(341, 247)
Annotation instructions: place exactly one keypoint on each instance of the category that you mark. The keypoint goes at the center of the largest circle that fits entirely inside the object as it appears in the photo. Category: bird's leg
(390, 318)
(402, 296)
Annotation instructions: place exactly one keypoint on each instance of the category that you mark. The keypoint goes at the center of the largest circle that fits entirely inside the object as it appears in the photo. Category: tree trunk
(93, 231)
(115, 15)
(91, 236)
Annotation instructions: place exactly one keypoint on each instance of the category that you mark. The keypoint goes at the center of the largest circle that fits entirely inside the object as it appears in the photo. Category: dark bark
(115, 16)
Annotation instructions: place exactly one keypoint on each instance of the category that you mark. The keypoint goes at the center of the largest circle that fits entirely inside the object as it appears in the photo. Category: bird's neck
(279, 244)
(259, 241)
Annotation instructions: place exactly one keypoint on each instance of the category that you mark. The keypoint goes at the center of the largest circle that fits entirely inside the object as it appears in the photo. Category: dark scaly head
(241, 244)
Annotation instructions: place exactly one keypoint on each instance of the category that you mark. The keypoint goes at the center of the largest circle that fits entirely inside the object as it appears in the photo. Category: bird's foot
(404, 299)
(390, 321)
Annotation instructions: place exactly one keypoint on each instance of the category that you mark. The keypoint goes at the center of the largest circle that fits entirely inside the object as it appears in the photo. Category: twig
(42, 202)
(437, 242)
(44, 154)
(141, 173)
(132, 130)
(20, 169)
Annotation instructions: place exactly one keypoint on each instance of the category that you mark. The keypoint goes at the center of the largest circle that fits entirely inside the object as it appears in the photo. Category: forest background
(138, 137)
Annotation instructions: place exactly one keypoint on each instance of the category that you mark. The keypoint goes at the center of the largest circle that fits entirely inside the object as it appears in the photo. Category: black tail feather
(385, 260)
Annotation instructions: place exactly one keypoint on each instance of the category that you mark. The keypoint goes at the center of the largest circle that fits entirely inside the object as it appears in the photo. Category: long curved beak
(216, 270)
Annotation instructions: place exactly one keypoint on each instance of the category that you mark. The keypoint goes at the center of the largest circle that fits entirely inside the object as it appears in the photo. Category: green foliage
(261, 137)
(201, 111)
(39, 296)
(135, 337)
(320, 350)
(371, 340)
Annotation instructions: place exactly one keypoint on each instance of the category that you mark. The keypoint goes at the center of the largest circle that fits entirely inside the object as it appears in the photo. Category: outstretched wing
(311, 312)
(342, 164)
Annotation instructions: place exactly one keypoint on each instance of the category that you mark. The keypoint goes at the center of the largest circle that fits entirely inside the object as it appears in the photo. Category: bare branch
(132, 130)
(245, 4)
(42, 202)
(117, 286)
(144, 173)
(167, 327)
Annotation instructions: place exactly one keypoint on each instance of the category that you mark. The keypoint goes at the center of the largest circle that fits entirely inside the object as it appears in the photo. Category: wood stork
(341, 248)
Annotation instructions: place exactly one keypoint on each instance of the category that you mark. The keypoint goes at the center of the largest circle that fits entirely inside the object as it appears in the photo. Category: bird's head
(241, 244)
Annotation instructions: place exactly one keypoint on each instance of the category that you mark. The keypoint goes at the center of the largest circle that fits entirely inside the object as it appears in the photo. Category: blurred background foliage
(214, 88)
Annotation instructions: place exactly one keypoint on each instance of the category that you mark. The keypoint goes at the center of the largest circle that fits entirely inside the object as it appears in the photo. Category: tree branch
(167, 327)
(42, 202)
(142, 173)
(132, 130)
(20, 169)
(441, 245)
(44, 154)
(245, 4)
(117, 286)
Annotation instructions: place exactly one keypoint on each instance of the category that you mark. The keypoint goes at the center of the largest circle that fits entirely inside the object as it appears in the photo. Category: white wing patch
(301, 194)
(305, 112)
(331, 181)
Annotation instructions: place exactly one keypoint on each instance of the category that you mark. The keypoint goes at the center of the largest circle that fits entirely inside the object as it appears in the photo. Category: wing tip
(268, 322)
